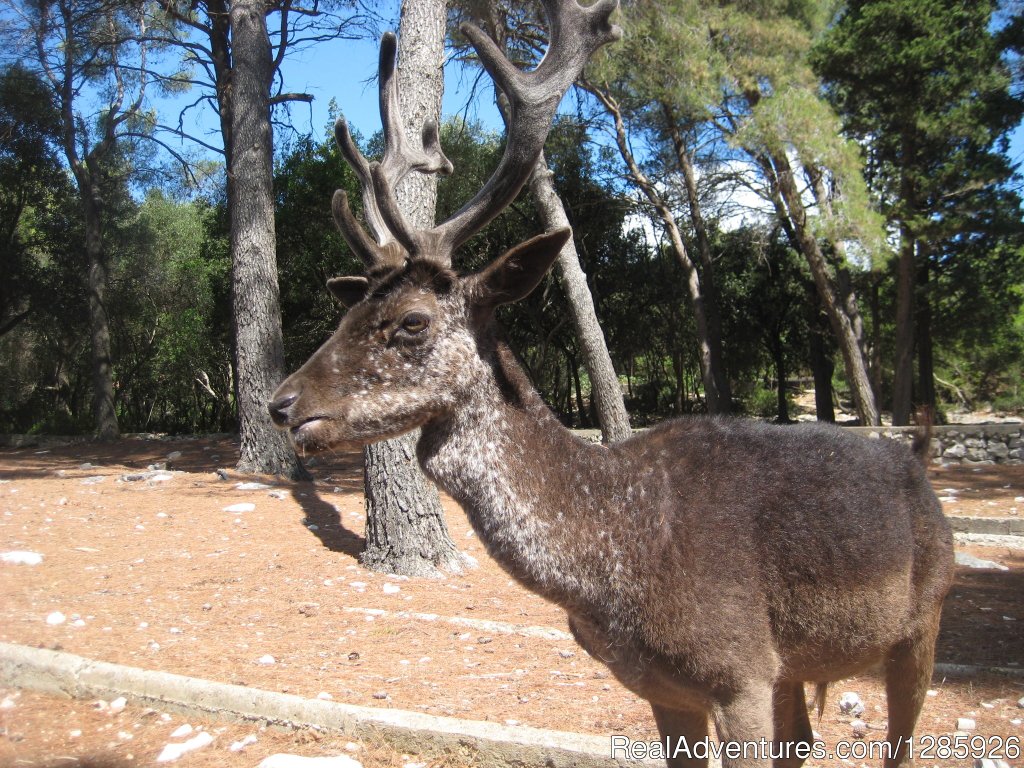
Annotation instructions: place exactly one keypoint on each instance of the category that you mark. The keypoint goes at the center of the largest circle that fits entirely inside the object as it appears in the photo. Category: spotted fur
(713, 564)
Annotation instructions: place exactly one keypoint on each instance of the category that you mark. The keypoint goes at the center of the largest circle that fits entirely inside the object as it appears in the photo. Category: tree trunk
(925, 355)
(716, 402)
(604, 382)
(254, 288)
(779, 358)
(104, 414)
(903, 368)
(842, 325)
(822, 365)
(716, 358)
(406, 532)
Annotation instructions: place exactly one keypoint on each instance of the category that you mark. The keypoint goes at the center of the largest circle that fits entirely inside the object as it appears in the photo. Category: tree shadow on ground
(982, 617)
(324, 521)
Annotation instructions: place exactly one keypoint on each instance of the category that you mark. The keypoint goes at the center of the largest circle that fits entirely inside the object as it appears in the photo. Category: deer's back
(806, 534)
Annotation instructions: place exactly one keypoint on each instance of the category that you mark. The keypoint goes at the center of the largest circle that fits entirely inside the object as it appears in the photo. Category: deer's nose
(279, 407)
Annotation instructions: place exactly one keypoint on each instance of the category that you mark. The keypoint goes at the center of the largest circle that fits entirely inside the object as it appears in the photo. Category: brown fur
(713, 564)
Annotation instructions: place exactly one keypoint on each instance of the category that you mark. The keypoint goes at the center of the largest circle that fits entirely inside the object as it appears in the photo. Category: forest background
(767, 196)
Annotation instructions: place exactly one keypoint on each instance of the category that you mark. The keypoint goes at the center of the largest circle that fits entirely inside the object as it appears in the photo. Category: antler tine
(399, 157)
(576, 32)
(378, 180)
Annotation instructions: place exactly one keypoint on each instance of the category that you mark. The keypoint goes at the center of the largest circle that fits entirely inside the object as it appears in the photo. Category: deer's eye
(415, 322)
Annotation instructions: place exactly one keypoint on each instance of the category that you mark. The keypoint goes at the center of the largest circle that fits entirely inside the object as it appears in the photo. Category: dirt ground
(158, 573)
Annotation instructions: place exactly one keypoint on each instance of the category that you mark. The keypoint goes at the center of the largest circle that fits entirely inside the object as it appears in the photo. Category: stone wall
(964, 443)
(952, 444)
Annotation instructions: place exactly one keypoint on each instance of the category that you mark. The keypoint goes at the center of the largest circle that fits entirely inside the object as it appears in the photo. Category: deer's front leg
(682, 730)
(745, 725)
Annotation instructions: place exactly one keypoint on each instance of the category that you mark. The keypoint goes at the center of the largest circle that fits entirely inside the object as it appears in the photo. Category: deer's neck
(515, 471)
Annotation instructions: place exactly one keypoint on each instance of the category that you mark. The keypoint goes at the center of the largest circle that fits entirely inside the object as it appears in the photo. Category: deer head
(410, 343)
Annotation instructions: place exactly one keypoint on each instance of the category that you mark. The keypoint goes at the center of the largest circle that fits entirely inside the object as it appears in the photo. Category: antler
(533, 97)
(399, 159)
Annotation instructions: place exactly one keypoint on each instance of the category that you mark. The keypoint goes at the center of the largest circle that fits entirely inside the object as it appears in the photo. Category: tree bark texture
(259, 347)
(406, 532)
(604, 382)
(104, 413)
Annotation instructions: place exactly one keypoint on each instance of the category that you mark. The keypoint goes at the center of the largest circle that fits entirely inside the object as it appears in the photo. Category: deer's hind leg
(908, 673)
(683, 728)
(792, 726)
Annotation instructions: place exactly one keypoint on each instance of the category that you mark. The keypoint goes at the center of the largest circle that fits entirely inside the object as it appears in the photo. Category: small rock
(970, 561)
(566, 654)
(266, 660)
(485, 640)
(56, 618)
(222, 474)
(182, 731)
(118, 704)
(850, 704)
(253, 487)
(325, 696)
(172, 752)
(93, 480)
(965, 724)
(174, 455)
(238, 746)
(391, 589)
(278, 495)
(354, 656)
(380, 695)
(309, 609)
(243, 507)
(19, 557)
(85, 466)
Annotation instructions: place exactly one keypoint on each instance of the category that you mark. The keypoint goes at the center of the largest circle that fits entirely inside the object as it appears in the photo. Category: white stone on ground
(850, 704)
(243, 507)
(20, 557)
(238, 746)
(970, 561)
(965, 724)
(172, 752)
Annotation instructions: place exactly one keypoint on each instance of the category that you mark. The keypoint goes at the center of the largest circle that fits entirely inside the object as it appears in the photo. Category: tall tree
(238, 62)
(405, 528)
(933, 105)
(259, 347)
(518, 29)
(92, 55)
(667, 106)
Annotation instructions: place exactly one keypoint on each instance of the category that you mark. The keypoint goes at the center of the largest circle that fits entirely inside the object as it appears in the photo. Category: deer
(714, 565)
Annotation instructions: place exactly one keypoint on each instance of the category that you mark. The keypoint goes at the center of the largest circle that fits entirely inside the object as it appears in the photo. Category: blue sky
(345, 70)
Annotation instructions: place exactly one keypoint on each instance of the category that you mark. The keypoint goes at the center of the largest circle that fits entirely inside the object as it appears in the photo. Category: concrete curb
(491, 744)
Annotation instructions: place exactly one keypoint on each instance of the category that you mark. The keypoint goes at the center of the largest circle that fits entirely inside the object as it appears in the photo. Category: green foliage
(932, 107)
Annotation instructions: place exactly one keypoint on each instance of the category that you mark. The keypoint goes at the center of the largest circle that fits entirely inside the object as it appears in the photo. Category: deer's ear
(348, 290)
(518, 271)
